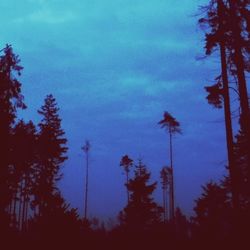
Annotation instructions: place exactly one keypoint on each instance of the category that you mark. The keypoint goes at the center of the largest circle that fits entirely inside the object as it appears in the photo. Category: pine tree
(217, 20)
(10, 100)
(172, 126)
(227, 22)
(142, 212)
(239, 24)
(51, 151)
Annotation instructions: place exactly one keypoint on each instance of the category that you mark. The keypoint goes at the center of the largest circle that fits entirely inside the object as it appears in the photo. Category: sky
(114, 67)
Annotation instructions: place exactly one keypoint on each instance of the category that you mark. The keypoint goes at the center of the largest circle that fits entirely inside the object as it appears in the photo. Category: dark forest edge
(33, 213)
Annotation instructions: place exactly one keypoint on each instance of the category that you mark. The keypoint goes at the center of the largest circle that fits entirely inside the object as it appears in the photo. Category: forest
(35, 215)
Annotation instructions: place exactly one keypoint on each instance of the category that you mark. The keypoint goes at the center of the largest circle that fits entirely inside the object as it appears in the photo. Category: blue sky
(114, 67)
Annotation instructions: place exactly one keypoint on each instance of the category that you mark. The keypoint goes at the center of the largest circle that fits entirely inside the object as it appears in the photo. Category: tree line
(31, 155)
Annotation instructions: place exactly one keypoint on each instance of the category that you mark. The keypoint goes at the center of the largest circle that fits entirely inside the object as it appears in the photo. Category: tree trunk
(164, 204)
(171, 177)
(240, 71)
(86, 186)
(14, 209)
(227, 112)
(20, 206)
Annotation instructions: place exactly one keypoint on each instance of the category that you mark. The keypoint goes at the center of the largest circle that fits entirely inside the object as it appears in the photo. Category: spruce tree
(51, 153)
(142, 212)
(213, 213)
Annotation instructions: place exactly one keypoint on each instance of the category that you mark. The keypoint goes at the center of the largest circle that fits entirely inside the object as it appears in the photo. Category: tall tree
(239, 26)
(164, 174)
(127, 164)
(86, 149)
(10, 100)
(217, 21)
(52, 154)
(24, 163)
(228, 22)
(172, 126)
(142, 212)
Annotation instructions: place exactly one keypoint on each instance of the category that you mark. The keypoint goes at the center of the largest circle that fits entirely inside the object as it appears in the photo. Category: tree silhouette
(25, 160)
(217, 19)
(240, 150)
(58, 227)
(51, 152)
(182, 224)
(10, 100)
(142, 212)
(165, 178)
(239, 23)
(213, 213)
(127, 164)
(172, 126)
(86, 149)
(228, 22)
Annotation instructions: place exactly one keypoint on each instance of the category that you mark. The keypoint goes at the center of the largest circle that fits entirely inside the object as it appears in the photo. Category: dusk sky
(114, 67)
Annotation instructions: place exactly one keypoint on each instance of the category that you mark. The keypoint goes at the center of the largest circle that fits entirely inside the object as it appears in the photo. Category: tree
(51, 153)
(240, 151)
(172, 126)
(127, 164)
(59, 226)
(165, 175)
(239, 23)
(228, 24)
(217, 20)
(24, 162)
(142, 212)
(213, 213)
(182, 224)
(86, 149)
(10, 100)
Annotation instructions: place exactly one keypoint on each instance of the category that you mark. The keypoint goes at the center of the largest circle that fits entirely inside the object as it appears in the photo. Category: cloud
(114, 67)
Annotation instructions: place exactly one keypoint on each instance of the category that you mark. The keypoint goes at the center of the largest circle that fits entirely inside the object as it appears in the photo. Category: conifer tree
(142, 212)
(227, 23)
(10, 100)
(51, 152)
(172, 127)
(213, 214)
